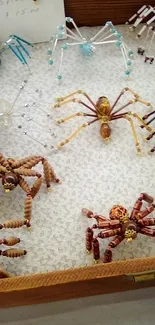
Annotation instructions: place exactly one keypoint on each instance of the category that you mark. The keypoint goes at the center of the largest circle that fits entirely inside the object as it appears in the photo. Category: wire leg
(134, 134)
(72, 116)
(61, 144)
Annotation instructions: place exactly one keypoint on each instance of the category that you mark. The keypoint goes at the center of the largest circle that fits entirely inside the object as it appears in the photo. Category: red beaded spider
(120, 225)
(102, 111)
(149, 137)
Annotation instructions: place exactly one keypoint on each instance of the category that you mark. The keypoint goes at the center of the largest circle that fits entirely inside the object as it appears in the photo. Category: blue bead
(68, 19)
(64, 46)
(60, 35)
(118, 43)
(60, 27)
(113, 30)
(49, 51)
(130, 53)
(59, 76)
(118, 35)
(129, 62)
(127, 72)
(87, 49)
(108, 23)
(50, 61)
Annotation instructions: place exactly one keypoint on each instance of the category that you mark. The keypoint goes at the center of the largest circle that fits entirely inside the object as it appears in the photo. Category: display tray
(94, 175)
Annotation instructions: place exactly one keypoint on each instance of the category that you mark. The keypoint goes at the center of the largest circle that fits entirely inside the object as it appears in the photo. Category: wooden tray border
(73, 283)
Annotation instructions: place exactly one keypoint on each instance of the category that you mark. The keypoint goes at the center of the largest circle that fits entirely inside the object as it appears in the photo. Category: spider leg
(26, 172)
(3, 161)
(147, 231)
(3, 169)
(61, 144)
(25, 161)
(102, 234)
(102, 222)
(146, 222)
(72, 116)
(63, 100)
(108, 252)
(145, 212)
(136, 98)
(138, 204)
(28, 201)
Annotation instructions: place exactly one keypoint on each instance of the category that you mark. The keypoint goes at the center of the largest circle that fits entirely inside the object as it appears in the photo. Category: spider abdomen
(105, 131)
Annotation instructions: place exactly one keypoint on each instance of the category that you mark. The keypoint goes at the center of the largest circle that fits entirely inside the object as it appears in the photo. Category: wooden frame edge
(73, 283)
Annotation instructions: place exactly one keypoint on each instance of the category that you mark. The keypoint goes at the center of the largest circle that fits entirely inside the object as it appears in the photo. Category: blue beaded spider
(106, 35)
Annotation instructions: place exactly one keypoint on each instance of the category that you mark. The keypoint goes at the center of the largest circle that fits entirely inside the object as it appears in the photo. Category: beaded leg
(26, 172)
(3, 169)
(23, 162)
(53, 176)
(15, 223)
(72, 116)
(108, 252)
(61, 144)
(147, 231)
(138, 204)
(28, 201)
(3, 161)
(90, 214)
(13, 252)
(146, 222)
(142, 214)
(62, 100)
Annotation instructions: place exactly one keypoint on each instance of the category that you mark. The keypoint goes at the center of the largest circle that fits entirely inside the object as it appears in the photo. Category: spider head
(119, 212)
(103, 106)
(130, 232)
(9, 182)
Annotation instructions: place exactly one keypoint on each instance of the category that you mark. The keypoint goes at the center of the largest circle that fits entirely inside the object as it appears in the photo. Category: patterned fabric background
(94, 175)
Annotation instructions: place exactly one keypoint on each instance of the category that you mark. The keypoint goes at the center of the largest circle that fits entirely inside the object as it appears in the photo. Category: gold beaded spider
(102, 111)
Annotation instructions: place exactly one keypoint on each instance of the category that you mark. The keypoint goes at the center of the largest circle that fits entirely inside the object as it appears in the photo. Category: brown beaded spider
(12, 252)
(150, 136)
(11, 172)
(120, 225)
(102, 111)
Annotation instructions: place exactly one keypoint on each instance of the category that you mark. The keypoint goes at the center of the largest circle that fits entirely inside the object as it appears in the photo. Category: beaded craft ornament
(108, 34)
(121, 225)
(17, 46)
(12, 172)
(104, 112)
(146, 15)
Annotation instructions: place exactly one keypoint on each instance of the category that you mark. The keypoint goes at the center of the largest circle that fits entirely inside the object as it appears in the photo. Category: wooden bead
(28, 207)
(96, 250)
(105, 131)
(13, 252)
(11, 241)
(47, 172)
(36, 187)
(13, 224)
(89, 238)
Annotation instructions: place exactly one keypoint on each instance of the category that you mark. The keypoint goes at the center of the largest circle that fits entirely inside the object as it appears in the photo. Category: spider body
(120, 225)
(12, 172)
(104, 112)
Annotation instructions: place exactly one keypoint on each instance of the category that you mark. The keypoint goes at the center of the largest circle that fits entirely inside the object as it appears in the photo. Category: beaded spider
(102, 111)
(145, 14)
(11, 172)
(12, 252)
(150, 136)
(108, 34)
(120, 225)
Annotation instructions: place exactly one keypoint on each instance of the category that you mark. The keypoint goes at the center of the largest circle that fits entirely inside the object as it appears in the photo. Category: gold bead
(95, 261)
(88, 252)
